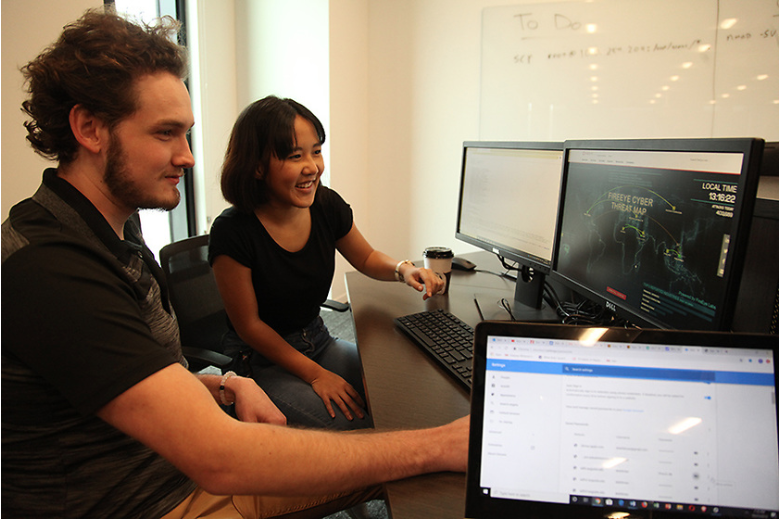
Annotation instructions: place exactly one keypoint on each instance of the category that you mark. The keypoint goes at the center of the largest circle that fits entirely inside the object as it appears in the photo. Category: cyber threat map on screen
(655, 238)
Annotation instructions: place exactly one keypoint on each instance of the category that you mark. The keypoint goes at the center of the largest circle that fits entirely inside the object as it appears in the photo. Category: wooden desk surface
(407, 390)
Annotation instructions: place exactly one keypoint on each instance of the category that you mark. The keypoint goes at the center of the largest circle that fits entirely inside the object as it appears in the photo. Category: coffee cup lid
(438, 252)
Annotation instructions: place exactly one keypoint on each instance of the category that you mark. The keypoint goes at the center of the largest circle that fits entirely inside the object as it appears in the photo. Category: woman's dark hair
(94, 63)
(263, 129)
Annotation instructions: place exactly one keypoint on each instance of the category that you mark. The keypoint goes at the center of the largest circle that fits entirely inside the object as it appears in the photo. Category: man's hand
(251, 402)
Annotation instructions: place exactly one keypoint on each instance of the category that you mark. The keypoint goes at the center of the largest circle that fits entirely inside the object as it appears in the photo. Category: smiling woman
(273, 255)
(273, 258)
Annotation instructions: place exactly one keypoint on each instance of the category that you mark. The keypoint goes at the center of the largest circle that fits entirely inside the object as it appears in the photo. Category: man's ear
(89, 131)
(259, 173)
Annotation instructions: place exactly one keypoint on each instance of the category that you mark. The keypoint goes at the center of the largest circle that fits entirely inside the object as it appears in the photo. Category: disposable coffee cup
(439, 260)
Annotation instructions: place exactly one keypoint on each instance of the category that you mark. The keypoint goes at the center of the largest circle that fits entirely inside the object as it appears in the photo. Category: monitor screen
(508, 199)
(508, 205)
(656, 230)
(583, 422)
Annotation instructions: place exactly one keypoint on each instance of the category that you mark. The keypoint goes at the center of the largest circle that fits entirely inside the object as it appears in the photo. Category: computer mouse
(461, 264)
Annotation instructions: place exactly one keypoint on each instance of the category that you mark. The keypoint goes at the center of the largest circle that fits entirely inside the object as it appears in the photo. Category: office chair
(197, 302)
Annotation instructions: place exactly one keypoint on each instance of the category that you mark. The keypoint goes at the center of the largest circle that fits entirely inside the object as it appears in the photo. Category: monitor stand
(527, 303)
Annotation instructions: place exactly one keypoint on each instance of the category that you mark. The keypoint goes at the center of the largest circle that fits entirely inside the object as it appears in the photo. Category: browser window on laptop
(576, 421)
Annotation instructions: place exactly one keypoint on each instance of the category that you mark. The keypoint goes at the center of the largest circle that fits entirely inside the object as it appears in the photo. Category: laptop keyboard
(446, 338)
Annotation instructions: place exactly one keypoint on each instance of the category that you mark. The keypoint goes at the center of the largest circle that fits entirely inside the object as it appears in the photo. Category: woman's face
(291, 181)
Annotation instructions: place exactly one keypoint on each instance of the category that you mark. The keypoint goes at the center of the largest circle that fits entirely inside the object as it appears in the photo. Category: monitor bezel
(523, 258)
(752, 150)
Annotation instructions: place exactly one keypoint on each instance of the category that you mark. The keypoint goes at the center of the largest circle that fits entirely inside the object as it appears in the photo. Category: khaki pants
(201, 504)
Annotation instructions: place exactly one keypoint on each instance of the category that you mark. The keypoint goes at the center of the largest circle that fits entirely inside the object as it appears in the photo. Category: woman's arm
(380, 266)
(235, 285)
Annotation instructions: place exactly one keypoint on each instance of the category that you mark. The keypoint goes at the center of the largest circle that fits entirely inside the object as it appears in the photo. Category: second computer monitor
(508, 205)
(656, 230)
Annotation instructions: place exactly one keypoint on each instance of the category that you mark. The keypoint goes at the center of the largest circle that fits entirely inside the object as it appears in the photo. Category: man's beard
(122, 186)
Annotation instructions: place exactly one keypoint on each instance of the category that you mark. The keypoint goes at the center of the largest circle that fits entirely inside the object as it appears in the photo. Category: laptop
(574, 422)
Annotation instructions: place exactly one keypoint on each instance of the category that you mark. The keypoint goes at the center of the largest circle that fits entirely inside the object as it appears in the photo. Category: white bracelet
(400, 277)
(226, 377)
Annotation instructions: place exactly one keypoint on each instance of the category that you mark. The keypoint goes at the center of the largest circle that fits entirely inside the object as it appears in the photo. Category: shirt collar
(94, 219)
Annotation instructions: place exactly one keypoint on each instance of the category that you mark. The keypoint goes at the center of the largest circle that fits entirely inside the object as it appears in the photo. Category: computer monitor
(509, 193)
(656, 230)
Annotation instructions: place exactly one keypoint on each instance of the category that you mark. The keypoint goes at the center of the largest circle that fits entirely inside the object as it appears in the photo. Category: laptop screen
(576, 421)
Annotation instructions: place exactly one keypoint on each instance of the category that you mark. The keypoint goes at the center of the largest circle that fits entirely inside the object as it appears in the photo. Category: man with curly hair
(101, 417)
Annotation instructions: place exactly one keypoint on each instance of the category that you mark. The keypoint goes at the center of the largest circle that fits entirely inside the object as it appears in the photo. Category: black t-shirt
(83, 320)
(289, 287)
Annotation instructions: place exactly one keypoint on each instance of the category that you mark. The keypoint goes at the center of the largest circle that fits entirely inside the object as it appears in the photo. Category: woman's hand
(381, 266)
(331, 387)
(420, 278)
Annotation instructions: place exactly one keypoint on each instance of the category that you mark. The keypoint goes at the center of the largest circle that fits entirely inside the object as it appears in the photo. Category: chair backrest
(194, 293)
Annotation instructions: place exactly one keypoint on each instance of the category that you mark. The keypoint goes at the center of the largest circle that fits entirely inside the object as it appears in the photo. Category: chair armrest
(201, 357)
(336, 306)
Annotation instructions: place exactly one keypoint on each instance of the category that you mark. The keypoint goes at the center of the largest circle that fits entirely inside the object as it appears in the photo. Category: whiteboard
(630, 69)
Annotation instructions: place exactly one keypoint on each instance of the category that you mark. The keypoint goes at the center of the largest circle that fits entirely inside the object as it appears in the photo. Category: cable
(505, 264)
(507, 307)
(580, 312)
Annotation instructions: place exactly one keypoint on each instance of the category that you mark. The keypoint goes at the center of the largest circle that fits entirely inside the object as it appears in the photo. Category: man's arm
(175, 415)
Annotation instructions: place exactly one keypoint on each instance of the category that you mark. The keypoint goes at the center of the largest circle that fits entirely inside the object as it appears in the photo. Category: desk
(407, 390)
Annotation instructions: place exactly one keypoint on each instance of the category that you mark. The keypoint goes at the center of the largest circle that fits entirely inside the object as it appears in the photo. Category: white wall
(404, 96)
(349, 138)
(245, 53)
(283, 49)
(213, 90)
(424, 102)
(27, 29)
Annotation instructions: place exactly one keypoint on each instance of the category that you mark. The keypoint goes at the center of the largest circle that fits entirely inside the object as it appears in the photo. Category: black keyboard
(446, 338)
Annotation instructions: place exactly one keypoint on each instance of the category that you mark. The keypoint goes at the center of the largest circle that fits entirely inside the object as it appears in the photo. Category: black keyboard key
(422, 336)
